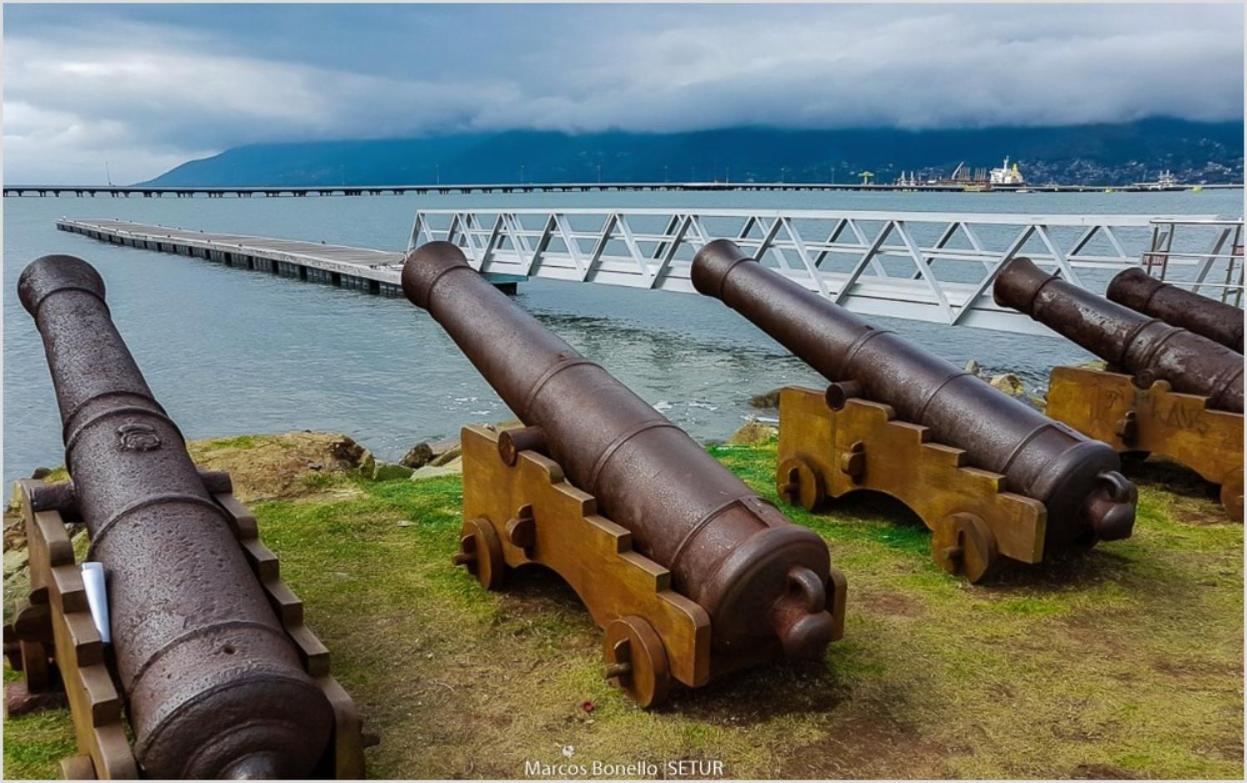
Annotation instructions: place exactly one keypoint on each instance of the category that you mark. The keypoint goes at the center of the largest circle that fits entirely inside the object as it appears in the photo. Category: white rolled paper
(97, 597)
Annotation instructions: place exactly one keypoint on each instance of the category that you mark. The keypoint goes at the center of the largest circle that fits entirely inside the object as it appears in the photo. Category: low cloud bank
(144, 95)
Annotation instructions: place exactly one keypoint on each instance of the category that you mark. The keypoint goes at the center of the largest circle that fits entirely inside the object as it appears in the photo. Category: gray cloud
(73, 100)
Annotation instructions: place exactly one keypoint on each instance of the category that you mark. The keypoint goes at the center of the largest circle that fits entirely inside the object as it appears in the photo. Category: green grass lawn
(1126, 660)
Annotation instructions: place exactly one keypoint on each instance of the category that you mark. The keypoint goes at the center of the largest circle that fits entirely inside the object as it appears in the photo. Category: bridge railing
(1215, 271)
(920, 265)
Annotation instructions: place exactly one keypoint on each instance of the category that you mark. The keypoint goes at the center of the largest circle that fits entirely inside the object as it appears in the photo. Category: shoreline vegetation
(1102, 154)
(1126, 659)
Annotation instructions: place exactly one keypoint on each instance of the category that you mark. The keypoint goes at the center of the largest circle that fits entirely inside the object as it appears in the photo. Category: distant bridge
(145, 191)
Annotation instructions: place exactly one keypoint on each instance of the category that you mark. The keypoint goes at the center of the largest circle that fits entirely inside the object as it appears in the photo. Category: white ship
(1007, 175)
(1166, 181)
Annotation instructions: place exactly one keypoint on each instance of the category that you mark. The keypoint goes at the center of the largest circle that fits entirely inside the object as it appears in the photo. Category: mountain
(1109, 154)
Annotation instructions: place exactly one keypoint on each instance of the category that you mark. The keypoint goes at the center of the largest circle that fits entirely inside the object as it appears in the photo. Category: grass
(1125, 660)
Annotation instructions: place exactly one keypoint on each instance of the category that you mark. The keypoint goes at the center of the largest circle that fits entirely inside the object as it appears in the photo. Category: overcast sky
(147, 87)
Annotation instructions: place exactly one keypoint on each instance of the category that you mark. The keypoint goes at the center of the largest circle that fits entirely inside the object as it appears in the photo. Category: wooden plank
(1106, 406)
(348, 747)
(929, 477)
(241, 518)
(95, 705)
(593, 554)
(77, 768)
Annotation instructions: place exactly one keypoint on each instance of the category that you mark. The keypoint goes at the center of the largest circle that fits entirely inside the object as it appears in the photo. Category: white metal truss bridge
(930, 266)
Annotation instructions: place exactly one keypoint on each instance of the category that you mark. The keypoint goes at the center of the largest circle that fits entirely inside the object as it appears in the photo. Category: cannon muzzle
(213, 685)
(761, 579)
(1076, 478)
(1145, 347)
(1218, 321)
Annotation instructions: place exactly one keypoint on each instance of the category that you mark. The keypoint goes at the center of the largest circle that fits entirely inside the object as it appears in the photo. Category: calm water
(229, 352)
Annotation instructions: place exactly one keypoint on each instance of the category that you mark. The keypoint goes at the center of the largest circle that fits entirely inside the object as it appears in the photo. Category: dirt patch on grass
(763, 694)
(1100, 772)
(891, 604)
(267, 467)
(867, 748)
(1072, 567)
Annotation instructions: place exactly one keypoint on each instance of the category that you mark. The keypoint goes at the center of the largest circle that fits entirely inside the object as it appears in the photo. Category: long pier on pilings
(358, 268)
(277, 191)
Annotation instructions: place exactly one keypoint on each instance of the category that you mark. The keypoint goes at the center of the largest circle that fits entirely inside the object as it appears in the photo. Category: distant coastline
(278, 191)
(1103, 155)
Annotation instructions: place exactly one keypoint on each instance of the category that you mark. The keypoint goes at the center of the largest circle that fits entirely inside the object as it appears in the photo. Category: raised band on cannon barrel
(762, 580)
(212, 684)
(1141, 345)
(1076, 478)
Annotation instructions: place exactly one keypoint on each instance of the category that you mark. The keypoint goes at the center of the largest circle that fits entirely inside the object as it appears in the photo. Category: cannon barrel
(1218, 321)
(761, 579)
(1146, 347)
(1076, 478)
(213, 685)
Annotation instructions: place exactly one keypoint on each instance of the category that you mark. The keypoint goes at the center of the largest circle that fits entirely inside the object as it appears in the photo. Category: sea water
(230, 352)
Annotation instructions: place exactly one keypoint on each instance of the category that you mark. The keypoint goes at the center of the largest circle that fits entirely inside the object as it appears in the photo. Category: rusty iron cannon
(848, 440)
(688, 570)
(209, 657)
(1143, 346)
(1166, 391)
(1218, 321)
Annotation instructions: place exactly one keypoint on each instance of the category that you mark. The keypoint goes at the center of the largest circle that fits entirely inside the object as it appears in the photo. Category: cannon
(1166, 390)
(1218, 321)
(216, 672)
(1075, 479)
(1145, 347)
(736, 581)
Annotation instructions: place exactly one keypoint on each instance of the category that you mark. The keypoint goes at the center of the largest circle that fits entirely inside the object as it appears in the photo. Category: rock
(345, 449)
(367, 464)
(385, 471)
(41, 472)
(16, 577)
(1008, 383)
(768, 400)
(15, 535)
(754, 431)
(18, 700)
(974, 368)
(1094, 364)
(266, 467)
(419, 456)
(451, 468)
(447, 456)
(15, 560)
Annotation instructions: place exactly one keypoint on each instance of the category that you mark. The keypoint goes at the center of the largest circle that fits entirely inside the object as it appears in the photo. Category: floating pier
(359, 268)
(365, 269)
